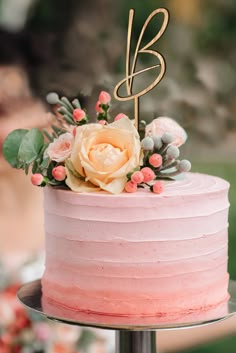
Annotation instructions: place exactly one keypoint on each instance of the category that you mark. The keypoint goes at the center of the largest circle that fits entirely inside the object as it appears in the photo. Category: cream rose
(60, 149)
(102, 156)
(162, 125)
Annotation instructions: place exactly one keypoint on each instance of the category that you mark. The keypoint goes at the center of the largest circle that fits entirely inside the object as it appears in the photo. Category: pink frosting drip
(140, 254)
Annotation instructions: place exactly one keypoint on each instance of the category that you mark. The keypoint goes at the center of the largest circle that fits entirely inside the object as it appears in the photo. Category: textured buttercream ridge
(137, 220)
(156, 260)
(101, 294)
(73, 270)
(125, 241)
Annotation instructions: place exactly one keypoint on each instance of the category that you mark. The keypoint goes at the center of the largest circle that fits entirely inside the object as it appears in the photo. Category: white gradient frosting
(138, 254)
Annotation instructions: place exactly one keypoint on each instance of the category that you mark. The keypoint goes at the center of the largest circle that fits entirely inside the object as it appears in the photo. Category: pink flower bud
(59, 173)
(155, 160)
(158, 187)
(102, 122)
(137, 177)
(131, 187)
(98, 108)
(37, 179)
(79, 114)
(148, 174)
(104, 97)
(120, 116)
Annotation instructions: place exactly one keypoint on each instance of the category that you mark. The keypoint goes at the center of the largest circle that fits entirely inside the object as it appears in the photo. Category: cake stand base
(136, 342)
(131, 337)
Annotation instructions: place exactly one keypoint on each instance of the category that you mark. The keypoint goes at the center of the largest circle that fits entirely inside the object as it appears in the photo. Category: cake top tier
(195, 195)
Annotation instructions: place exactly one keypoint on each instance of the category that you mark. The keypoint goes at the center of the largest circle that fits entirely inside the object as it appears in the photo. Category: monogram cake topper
(130, 68)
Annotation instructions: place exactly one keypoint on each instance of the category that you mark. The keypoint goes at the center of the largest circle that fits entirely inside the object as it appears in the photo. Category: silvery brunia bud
(157, 142)
(184, 166)
(173, 152)
(147, 144)
(167, 138)
(52, 98)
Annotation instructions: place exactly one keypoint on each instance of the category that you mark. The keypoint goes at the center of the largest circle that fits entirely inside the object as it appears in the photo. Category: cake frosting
(138, 255)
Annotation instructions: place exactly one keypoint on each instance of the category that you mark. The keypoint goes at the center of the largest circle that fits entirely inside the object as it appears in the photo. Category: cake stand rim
(24, 300)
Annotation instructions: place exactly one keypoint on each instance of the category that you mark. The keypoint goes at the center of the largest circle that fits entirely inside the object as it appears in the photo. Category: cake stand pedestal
(138, 337)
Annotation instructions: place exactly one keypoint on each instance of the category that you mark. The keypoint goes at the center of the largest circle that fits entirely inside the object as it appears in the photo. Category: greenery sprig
(26, 149)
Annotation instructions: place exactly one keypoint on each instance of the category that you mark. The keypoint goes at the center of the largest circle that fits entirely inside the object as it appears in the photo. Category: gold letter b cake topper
(130, 70)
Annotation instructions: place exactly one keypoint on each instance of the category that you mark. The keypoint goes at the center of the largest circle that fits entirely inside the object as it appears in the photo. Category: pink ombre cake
(138, 255)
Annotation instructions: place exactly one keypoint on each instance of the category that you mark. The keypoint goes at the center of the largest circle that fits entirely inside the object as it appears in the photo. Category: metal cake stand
(138, 337)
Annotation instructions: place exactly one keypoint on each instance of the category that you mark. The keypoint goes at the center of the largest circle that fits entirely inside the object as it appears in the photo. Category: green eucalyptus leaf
(45, 163)
(11, 147)
(31, 146)
(26, 168)
(45, 146)
(20, 165)
(48, 136)
(35, 167)
(58, 130)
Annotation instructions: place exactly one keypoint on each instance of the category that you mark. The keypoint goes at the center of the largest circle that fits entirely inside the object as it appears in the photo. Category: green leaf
(52, 164)
(20, 165)
(58, 130)
(69, 120)
(11, 147)
(45, 163)
(35, 167)
(26, 168)
(31, 146)
(67, 104)
(48, 136)
(45, 146)
(55, 183)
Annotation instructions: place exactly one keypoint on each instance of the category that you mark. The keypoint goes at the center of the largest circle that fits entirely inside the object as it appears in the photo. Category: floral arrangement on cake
(107, 155)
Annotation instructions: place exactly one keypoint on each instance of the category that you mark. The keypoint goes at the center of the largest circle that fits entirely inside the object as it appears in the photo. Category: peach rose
(162, 125)
(102, 156)
(60, 149)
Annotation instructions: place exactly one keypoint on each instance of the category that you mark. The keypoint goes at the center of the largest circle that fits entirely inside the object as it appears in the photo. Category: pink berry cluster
(58, 173)
(71, 112)
(142, 178)
(161, 161)
(162, 157)
(102, 108)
